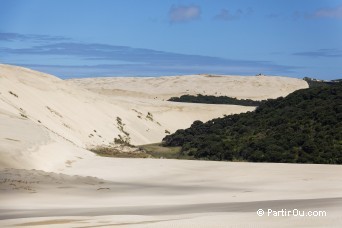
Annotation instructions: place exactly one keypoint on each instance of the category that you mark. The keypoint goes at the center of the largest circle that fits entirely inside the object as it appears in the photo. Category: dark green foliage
(316, 83)
(304, 127)
(207, 99)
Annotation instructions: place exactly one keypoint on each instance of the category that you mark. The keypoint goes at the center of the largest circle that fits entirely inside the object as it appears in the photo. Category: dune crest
(241, 87)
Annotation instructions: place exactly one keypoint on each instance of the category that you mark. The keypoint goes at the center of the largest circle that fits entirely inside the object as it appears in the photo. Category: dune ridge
(241, 87)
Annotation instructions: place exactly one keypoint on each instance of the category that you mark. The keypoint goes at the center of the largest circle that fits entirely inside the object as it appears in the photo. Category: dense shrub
(304, 127)
(208, 99)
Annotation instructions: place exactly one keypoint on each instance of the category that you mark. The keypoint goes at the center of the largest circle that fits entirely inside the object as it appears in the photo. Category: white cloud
(227, 15)
(329, 13)
(184, 13)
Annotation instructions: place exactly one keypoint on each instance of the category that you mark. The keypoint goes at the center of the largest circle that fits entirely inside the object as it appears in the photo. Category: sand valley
(49, 178)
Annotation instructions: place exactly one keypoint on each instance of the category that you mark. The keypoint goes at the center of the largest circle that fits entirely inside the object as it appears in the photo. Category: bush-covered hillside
(208, 99)
(304, 127)
(312, 82)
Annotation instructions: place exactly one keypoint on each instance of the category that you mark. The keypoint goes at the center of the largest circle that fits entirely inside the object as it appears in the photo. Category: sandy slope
(54, 110)
(46, 124)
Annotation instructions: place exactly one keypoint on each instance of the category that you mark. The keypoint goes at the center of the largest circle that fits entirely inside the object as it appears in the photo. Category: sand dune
(59, 111)
(242, 87)
(48, 178)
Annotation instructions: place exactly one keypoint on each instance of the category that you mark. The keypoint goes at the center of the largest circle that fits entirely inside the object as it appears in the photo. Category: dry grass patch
(118, 153)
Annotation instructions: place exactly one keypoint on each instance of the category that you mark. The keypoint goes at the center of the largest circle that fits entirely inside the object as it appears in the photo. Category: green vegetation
(156, 150)
(149, 116)
(312, 82)
(208, 99)
(10, 92)
(125, 139)
(122, 140)
(144, 151)
(54, 112)
(304, 127)
(113, 152)
(120, 126)
(23, 115)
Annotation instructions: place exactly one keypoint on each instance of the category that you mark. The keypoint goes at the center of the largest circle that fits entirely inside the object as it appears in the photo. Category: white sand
(47, 124)
(171, 193)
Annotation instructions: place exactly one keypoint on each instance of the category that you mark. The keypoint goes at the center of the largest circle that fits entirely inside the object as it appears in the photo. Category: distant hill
(304, 127)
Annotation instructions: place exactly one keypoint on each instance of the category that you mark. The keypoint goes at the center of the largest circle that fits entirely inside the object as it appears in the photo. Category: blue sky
(86, 38)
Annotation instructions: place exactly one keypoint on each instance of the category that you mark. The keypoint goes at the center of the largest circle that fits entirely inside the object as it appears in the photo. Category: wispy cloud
(99, 52)
(335, 13)
(273, 15)
(75, 71)
(30, 37)
(322, 13)
(331, 53)
(183, 13)
(96, 59)
(227, 15)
